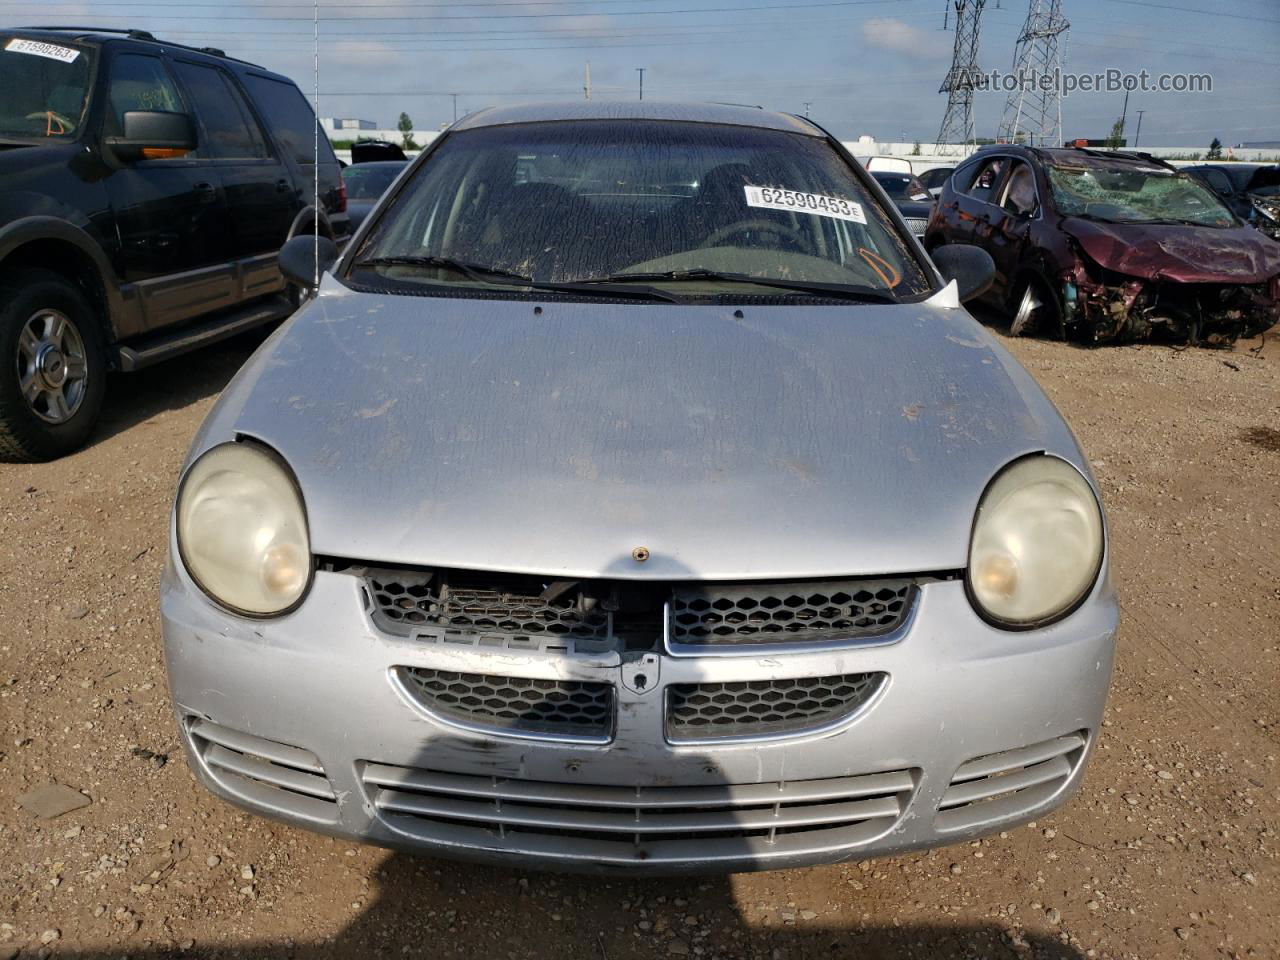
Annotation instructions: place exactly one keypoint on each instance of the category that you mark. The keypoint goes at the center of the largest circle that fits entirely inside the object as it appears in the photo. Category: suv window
(289, 115)
(139, 82)
(232, 132)
(43, 88)
(984, 184)
(1020, 193)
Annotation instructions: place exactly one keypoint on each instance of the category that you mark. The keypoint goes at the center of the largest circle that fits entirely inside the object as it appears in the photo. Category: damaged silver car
(634, 495)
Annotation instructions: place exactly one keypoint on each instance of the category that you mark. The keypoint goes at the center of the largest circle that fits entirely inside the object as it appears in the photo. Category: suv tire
(52, 367)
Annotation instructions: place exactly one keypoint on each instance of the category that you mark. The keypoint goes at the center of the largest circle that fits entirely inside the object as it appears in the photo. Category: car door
(256, 182)
(170, 214)
(1006, 229)
(971, 202)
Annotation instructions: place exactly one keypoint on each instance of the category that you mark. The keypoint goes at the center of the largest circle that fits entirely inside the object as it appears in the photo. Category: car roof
(638, 110)
(104, 35)
(398, 164)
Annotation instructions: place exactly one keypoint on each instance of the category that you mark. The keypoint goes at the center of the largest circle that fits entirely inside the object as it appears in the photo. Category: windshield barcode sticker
(38, 49)
(773, 198)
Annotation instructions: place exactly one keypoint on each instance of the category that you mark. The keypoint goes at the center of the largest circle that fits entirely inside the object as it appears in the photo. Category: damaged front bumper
(311, 719)
(1101, 306)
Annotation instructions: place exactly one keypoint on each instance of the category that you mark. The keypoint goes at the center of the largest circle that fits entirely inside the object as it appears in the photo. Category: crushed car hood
(1178, 252)
(795, 441)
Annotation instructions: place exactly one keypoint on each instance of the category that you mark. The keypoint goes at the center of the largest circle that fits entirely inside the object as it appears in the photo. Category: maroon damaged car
(1108, 246)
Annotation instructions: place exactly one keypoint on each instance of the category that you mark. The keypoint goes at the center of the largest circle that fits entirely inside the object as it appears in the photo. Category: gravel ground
(1168, 851)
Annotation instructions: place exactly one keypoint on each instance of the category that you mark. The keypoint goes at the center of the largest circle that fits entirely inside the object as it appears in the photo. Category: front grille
(796, 612)
(566, 707)
(916, 225)
(489, 603)
(264, 772)
(636, 823)
(518, 611)
(1002, 785)
(755, 708)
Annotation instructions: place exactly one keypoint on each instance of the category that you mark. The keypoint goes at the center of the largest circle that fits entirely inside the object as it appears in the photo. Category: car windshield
(1129, 193)
(589, 201)
(44, 88)
(369, 181)
(902, 186)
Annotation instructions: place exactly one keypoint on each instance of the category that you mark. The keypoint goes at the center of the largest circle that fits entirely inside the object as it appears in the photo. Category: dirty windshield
(589, 202)
(1129, 193)
(43, 88)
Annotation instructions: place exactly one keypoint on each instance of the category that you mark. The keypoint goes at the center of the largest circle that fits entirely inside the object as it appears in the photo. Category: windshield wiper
(486, 274)
(837, 291)
(472, 271)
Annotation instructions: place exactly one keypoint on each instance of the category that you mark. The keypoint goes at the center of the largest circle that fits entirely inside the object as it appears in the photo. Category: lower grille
(916, 225)
(264, 772)
(634, 824)
(570, 707)
(761, 708)
(1003, 785)
(787, 613)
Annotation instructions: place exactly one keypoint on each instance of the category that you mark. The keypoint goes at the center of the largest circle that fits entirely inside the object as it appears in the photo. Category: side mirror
(154, 135)
(970, 267)
(298, 259)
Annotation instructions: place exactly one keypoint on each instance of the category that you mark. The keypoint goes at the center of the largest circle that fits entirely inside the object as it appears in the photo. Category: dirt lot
(1169, 851)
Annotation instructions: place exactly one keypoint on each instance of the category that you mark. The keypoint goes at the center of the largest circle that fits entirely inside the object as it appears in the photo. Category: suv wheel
(52, 368)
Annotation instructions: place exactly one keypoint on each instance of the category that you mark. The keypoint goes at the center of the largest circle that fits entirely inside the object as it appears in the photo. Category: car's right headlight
(242, 530)
(1037, 543)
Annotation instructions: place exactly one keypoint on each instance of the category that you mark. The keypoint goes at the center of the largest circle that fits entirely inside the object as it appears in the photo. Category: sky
(859, 67)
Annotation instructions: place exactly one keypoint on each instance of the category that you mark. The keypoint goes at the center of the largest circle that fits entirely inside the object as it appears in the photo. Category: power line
(541, 16)
(1207, 13)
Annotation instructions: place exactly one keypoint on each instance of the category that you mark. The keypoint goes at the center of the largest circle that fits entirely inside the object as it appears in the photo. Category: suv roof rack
(124, 31)
(147, 35)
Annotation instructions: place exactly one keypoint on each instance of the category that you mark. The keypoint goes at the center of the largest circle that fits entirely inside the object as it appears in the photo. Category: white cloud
(891, 34)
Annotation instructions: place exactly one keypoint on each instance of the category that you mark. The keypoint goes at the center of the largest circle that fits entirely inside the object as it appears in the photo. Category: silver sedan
(634, 495)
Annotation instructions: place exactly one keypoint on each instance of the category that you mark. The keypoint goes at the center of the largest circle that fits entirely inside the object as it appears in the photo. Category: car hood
(919, 209)
(1178, 252)
(793, 441)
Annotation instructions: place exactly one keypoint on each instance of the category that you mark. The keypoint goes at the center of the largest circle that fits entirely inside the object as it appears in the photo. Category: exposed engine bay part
(1103, 307)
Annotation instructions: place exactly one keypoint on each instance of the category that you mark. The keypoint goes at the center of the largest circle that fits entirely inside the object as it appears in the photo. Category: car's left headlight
(1037, 543)
(242, 530)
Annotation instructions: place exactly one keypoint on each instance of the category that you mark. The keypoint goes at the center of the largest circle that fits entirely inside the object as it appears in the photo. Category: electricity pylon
(957, 122)
(1035, 114)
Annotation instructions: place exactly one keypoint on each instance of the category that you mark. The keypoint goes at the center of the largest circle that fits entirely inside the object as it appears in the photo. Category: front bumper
(302, 719)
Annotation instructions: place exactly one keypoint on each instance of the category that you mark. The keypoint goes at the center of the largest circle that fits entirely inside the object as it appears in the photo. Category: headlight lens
(242, 530)
(1037, 543)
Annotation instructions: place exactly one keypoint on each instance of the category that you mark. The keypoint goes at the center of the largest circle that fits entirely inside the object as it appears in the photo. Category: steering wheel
(742, 226)
(50, 117)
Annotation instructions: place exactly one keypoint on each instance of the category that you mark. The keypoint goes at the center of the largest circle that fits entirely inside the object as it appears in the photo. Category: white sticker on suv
(39, 49)
(774, 198)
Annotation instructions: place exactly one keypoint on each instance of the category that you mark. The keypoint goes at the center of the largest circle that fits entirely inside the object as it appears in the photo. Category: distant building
(332, 125)
(1260, 145)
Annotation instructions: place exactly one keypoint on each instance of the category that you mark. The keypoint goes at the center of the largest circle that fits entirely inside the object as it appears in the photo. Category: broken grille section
(486, 603)
(621, 824)
(761, 708)
(556, 707)
(703, 614)
(1003, 785)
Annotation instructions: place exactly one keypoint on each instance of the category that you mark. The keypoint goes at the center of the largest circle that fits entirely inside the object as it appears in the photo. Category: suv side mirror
(154, 135)
(298, 261)
(970, 267)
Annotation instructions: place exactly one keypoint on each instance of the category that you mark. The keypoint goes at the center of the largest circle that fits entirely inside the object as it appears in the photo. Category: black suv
(145, 189)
